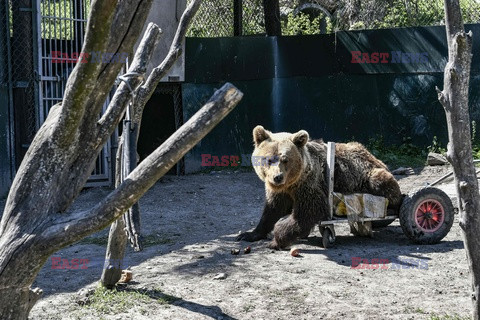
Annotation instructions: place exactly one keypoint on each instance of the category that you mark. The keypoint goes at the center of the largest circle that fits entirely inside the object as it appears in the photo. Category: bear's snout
(278, 178)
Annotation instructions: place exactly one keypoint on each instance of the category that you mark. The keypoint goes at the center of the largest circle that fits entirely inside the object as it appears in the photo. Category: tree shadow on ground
(388, 244)
(213, 312)
(198, 229)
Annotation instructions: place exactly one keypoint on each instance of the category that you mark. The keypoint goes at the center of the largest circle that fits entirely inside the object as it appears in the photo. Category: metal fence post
(237, 17)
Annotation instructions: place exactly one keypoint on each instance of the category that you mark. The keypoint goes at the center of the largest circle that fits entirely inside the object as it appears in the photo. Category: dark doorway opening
(161, 117)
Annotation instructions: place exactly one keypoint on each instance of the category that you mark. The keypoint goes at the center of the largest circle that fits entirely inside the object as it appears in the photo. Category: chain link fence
(22, 71)
(40, 42)
(217, 18)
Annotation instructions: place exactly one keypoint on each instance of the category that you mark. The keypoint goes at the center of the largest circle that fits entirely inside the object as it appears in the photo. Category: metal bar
(342, 220)
(448, 175)
(37, 60)
(11, 117)
(237, 17)
(441, 179)
(330, 176)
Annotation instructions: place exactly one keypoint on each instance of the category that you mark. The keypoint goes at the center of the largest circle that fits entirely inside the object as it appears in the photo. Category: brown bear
(294, 168)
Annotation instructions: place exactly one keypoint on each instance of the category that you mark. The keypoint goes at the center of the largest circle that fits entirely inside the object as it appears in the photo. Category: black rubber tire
(407, 215)
(328, 238)
(381, 223)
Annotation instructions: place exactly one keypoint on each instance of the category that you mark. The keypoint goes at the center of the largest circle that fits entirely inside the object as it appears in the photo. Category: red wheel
(426, 215)
(430, 215)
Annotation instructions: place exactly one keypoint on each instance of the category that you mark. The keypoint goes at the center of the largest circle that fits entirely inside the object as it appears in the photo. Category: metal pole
(330, 176)
(237, 18)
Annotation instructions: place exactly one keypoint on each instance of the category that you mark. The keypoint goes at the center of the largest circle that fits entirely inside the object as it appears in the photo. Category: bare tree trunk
(271, 10)
(128, 227)
(117, 237)
(454, 99)
(35, 222)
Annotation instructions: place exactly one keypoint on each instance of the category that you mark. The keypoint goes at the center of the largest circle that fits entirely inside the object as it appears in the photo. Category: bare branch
(151, 169)
(442, 98)
(122, 96)
(119, 102)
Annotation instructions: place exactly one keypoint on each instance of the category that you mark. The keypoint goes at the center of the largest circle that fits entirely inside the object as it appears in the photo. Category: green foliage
(253, 21)
(304, 24)
(60, 25)
(215, 18)
(116, 301)
(404, 155)
(448, 317)
(415, 13)
(475, 142)
(436, 147)
(424, 13)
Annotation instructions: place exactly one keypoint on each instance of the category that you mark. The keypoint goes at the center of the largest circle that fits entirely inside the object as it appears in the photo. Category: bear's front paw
(250, 236)
(274, 245)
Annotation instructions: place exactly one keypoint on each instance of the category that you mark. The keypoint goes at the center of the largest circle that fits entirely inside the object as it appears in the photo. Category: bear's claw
(249, 236)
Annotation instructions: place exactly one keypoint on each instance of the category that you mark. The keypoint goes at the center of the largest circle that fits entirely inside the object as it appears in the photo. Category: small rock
(83, 296)
(220, 276)
(84, 292)
(294, 252)
(127, 276)
(436, 159)
(235, 252)
(82, 301)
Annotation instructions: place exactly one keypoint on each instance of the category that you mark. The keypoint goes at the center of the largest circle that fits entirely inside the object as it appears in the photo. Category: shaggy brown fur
(295, 185)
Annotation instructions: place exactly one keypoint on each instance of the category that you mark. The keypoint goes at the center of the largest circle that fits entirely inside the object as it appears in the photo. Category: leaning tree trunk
(454, 99)
(35, 222)
(128, 227)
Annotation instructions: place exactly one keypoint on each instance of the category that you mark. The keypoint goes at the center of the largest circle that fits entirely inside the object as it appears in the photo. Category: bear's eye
(284, 159)
(272, 160)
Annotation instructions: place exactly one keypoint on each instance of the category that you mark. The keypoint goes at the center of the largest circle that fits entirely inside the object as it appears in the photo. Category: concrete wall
(167, 14)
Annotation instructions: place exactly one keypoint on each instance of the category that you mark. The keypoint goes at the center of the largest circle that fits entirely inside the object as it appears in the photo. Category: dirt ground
(190, 223)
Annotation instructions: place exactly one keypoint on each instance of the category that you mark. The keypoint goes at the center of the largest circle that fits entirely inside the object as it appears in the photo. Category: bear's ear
(300, 138)
(260, 134)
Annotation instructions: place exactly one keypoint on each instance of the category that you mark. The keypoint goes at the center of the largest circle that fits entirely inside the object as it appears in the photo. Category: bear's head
(279, 158)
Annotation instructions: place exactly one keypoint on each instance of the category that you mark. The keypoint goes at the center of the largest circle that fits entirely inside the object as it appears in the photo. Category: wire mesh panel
(214, 18)
(7, 158)
(253, 17)
(21, 46)
(62, 24)
(368, 14)
(217, 18)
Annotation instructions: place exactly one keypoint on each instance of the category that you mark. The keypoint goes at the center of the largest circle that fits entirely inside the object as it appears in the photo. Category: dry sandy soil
(190, 223)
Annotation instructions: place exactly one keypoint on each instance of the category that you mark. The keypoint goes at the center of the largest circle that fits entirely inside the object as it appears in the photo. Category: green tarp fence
(311, 83)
